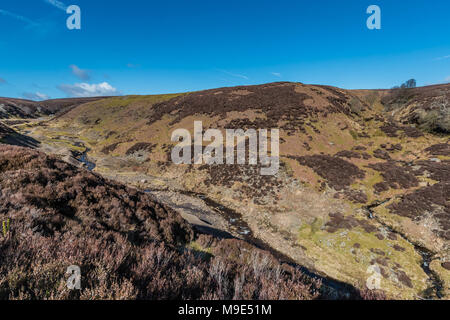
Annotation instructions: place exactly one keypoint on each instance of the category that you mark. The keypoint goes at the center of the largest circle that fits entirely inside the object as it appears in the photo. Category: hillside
(27, 109)
(11, 136)
(426, 107)
(362, 180)
(127, 244)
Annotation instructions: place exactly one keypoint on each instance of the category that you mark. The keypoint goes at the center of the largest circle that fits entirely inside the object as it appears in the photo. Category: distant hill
(25, 109)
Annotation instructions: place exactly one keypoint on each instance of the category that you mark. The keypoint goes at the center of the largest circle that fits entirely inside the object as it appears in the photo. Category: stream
(83, 158)
(331, 288)
(436, 286)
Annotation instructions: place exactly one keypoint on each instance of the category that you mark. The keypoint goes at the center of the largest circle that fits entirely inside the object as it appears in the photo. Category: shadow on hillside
(17, 139)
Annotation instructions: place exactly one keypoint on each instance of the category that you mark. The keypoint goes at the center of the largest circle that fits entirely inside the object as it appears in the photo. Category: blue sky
(149, 47)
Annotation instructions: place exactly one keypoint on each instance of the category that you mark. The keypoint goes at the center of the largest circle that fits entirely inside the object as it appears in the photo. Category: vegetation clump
(338, 172)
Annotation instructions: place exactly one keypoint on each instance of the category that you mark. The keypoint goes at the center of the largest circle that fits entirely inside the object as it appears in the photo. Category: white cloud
(57, 4)
(36, 96)
(447, 79)
(89, 90)
(80, 73)
(236, 75)
(18, 17)
(276, 74)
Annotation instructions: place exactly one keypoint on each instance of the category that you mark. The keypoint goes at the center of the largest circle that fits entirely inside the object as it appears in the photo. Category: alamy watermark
(74, 21)
(374, 20)
(74, 281)
(374, 281)
(214, 152)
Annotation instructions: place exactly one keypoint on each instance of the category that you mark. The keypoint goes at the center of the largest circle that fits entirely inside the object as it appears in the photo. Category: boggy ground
(360, 182)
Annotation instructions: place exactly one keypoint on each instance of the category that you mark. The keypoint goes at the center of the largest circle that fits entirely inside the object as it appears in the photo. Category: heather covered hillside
(127, 244)
(428, 107)
(362, 182)
(27, 109)
(235, 150)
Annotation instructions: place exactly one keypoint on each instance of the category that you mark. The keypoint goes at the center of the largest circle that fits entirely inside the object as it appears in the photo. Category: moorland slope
(363, 178)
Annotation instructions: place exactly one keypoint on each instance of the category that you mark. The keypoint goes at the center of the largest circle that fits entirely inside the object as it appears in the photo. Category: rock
(435, 159)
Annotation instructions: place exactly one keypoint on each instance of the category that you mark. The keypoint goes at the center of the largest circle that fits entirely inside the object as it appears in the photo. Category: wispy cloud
(236, 75)
(447, 79)
(57, 4)
(35, 96)
(132, 65)
(80, 73)
(276, 74)
(38, 86)
(18, 17)
(3, 81)
(88, 90)
(443, 58)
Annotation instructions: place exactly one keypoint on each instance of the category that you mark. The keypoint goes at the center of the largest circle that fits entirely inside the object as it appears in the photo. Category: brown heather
(127, 245)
